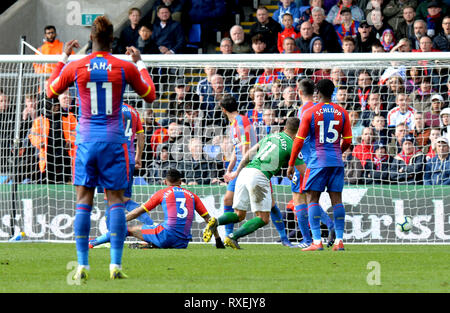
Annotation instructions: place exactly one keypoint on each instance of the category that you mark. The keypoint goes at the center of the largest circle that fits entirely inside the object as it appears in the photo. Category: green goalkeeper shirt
(273, 154)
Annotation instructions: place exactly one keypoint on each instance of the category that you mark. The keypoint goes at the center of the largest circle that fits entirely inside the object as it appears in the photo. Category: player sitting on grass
(253, 187)
(179, 206)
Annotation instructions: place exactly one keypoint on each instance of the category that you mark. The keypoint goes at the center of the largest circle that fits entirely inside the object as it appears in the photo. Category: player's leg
(277, 220)
(335, 191)
(228, 204)
(301, 212)
(82, 226)
(260, 199)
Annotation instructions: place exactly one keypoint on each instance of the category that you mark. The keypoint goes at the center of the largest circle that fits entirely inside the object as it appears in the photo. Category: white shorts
(252, 191)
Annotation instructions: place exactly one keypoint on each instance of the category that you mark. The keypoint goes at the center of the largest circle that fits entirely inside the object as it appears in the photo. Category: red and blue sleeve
(200, 207)
(141, 82)
(154, 201)
(302, 133)
(346, 132)
(62, 77)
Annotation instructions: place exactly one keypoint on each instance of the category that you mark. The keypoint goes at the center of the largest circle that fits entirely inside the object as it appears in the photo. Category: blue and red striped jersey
(179, 205)
(133, 125)
(326, 124)
(100, 80)
(242, 133)
(306, 150)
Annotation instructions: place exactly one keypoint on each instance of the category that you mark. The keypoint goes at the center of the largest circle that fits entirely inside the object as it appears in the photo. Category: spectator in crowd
(157, 169)
(51, 45)
(29, 114)
(420, 132)
(325, 30)
(420, 30)
(241, 83)
(445, 122)
(241, 44)
(394, 86)
(191, 123)
(403, 45)
(289, 46)
(363, 151)
(378, 124)
(394, 145)
(208, 104)
(130, 34)
(377, 47)
(335, 14)
(372, 5)
(7, 121)
(287, 6)
(304, 40)
(376, 18)
(168, 34)
(425, 45)
(259, 44)
(266, 26)
(305, 11)
(288, 106)
(357, 126)
(268, 77)
(290, 77)
(210, 14)
(374, 108)
(432, 116)
(402, 113)
(437, 169)
(430, 150)
(269, 125)
(354, 172)
(421, 96)
(339, 79)
(47, 135)
(403, 26)
(178, 101)
(408, 165)
(175, 7)
(150, 126)
(196, 169)
(388, 40)
(317, 45)
(364, 38)
(377, 170)
(343, 99)
(204, 85)
(255, 114)
(442, 40)
(276, 93)
(434, 18)
(364, 88)
(348, 44)
(176, 142)
(422, 9)
(226, 46)
(288, 31)
(145, 43)
(348, 26)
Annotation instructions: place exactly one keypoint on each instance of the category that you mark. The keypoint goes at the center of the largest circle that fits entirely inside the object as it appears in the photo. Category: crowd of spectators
(400, 115)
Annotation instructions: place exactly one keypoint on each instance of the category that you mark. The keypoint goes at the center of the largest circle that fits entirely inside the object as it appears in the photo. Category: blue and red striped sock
(118, 230)
(301, 211)
(314, 214)
(339, 220)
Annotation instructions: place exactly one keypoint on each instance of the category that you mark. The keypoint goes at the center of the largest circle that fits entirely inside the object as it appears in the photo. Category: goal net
(397, 165)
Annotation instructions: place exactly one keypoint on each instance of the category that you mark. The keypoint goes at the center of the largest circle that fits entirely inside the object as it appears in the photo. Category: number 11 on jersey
(107, 87)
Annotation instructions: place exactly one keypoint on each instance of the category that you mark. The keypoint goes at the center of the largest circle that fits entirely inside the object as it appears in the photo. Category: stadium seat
(139, 181)
(194, 38)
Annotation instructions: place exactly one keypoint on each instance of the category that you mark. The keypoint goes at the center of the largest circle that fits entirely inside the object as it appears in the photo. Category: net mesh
(185, 129)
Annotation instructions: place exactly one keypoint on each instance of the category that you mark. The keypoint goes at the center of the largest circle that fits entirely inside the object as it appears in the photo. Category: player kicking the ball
(253, 188)
(326, 124)
(101, 155)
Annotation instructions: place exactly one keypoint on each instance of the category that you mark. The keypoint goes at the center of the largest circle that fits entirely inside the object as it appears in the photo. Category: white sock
(337, 241)
(317, 242)
(113, 266)
(83, 266)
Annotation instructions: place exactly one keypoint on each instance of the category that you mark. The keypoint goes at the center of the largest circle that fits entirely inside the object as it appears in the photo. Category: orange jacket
(55, 47)
(39, 136)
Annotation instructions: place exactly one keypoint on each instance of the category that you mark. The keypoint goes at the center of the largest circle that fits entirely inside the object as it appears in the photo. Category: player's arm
(139, 78)
(346, 133)
(232, 162)
(62, 77)
(152, 203)
(245, 160)
(297, 146)
(140, 138)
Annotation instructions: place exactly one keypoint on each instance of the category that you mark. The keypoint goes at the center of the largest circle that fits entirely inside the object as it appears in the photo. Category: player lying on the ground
(179, 207)
(253, 187)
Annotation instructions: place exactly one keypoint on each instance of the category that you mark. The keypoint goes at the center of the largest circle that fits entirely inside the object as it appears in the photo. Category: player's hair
(325, 87)
(307, 86)
(229, 103)
(173, 175)
(292, 124)
(102, 31)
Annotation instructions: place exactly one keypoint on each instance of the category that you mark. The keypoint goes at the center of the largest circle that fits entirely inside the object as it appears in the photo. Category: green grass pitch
(45, 267)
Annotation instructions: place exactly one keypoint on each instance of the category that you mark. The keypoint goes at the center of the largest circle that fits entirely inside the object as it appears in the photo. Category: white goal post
(37, 197)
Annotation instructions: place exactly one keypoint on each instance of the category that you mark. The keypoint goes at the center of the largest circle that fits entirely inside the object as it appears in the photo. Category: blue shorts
(317, 179)
(162, 238)
(232, 185)
(102, 164)
(296, 182)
